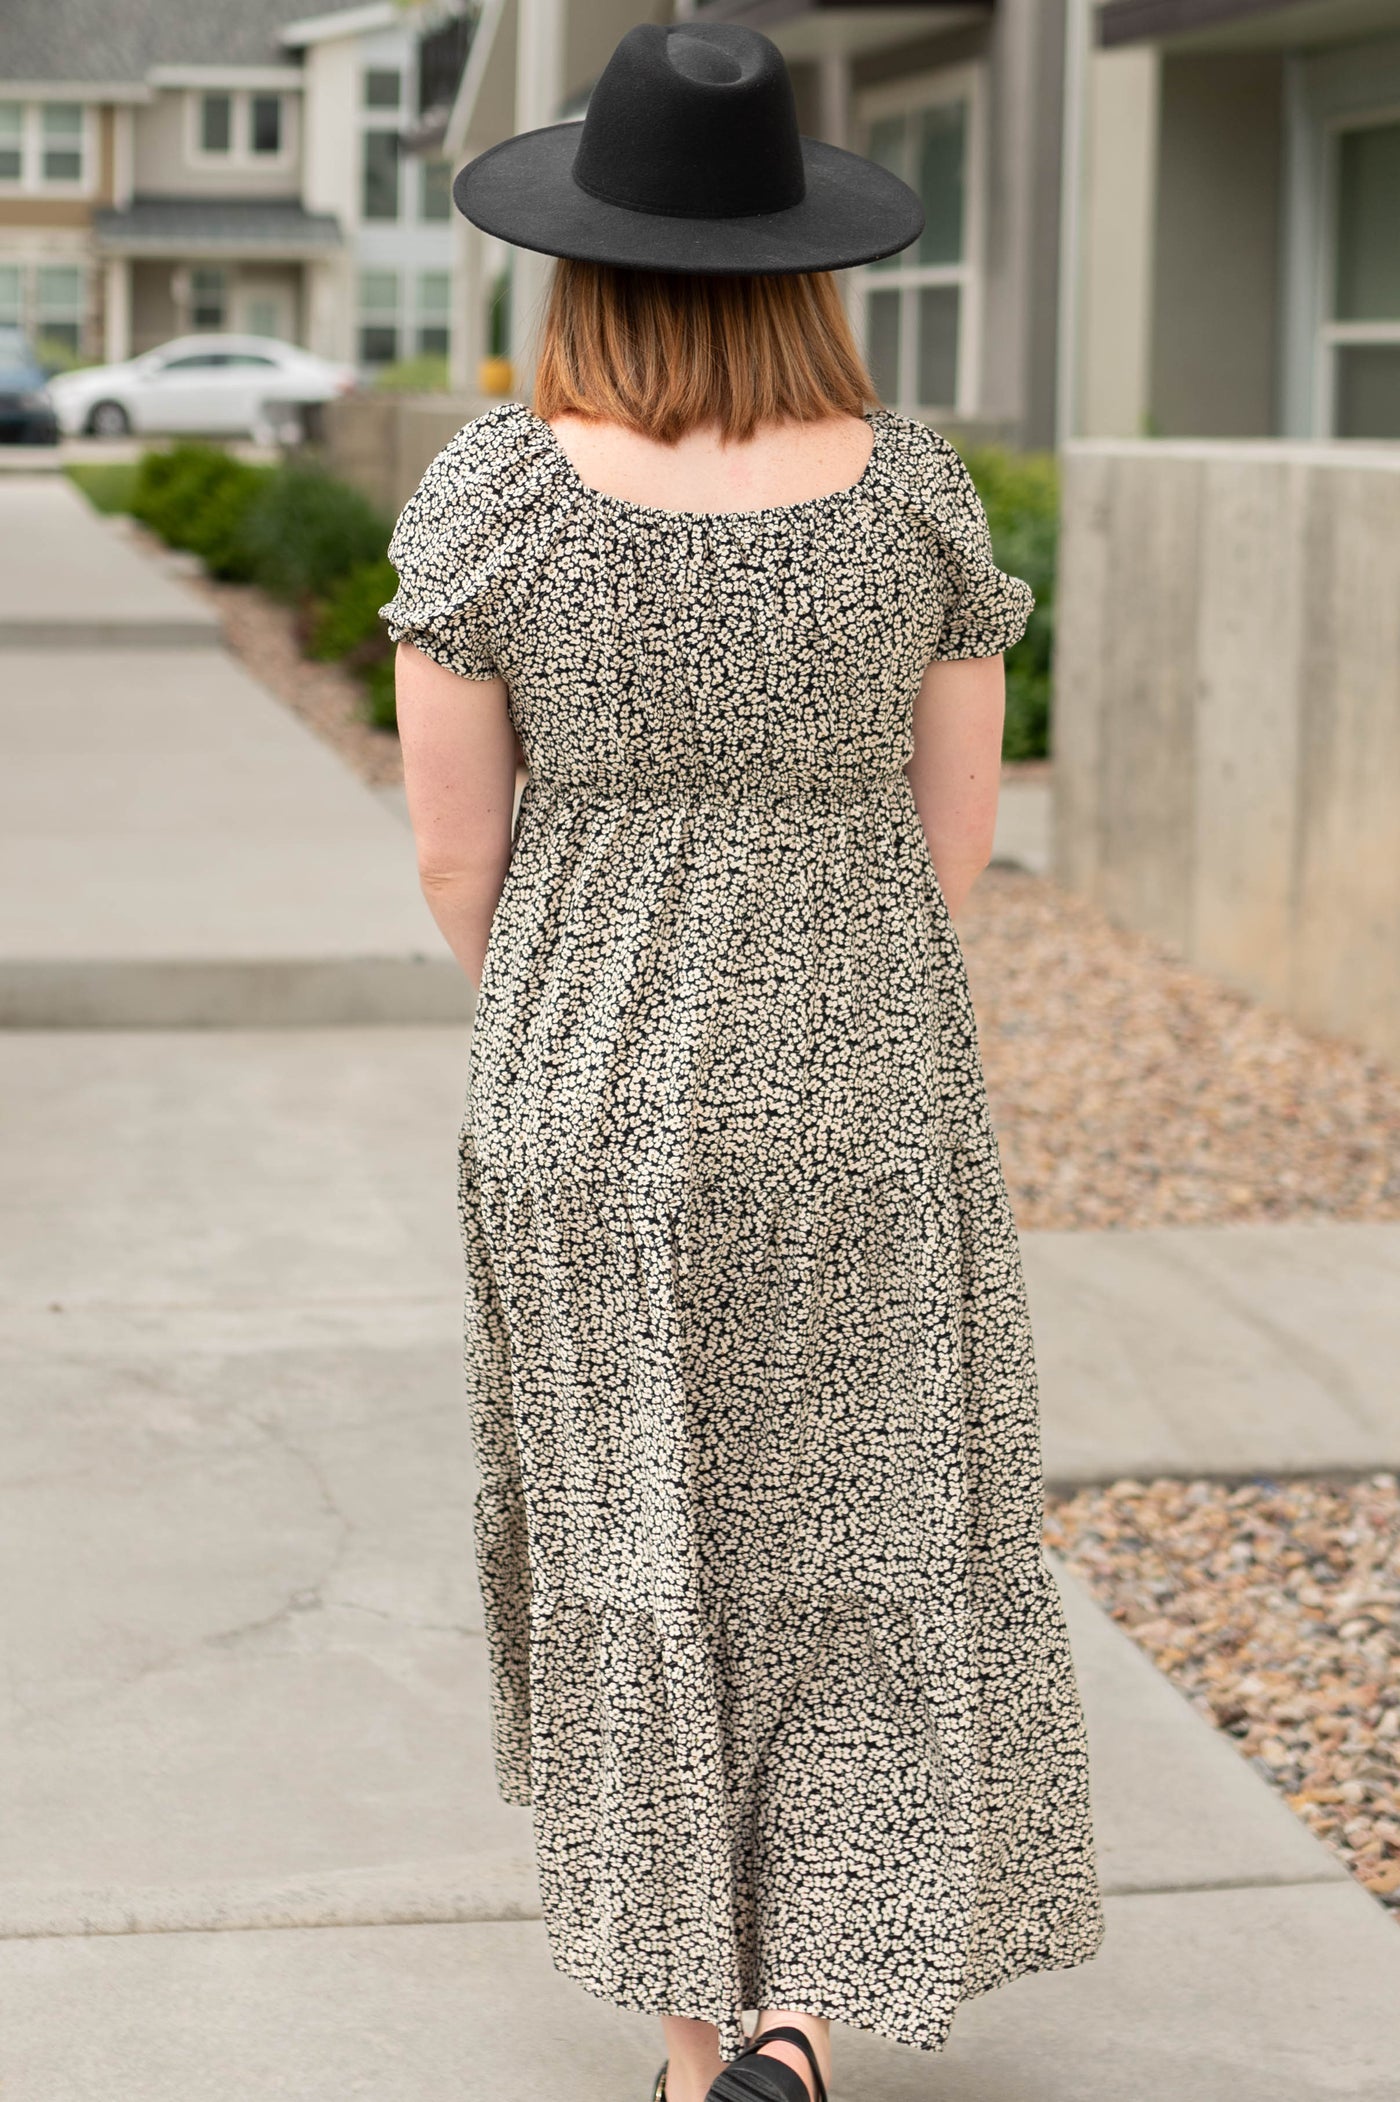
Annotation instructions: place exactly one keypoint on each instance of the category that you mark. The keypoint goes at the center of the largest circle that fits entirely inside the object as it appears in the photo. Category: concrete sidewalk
(248, 1687)
(253, 1847)
(175, 847)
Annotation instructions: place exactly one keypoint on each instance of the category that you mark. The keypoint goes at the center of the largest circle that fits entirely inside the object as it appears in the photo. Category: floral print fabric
(777, 1658)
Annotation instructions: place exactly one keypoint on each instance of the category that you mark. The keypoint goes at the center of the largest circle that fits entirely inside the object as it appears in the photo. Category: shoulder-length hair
(663, 351)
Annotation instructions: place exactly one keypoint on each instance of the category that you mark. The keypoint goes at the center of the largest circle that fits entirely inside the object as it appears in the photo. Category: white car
(210, 384)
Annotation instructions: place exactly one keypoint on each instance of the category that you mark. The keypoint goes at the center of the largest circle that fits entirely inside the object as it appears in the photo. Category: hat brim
(522, 191)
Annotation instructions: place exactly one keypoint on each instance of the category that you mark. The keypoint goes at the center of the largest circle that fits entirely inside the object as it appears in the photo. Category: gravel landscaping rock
(1275, 1607)
(1128, 1089)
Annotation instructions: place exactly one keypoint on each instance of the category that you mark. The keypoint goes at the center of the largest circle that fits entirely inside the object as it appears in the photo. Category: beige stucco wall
(1227, 714)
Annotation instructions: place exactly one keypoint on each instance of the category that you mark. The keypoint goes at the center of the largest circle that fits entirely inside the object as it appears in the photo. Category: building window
(434, 312)
(11, 141)
(48, 301)
(919, 307)
(58, 304)
(216, 124)
(265, 124)
(63, 141)
(379, 317)
(379, 197)
(238, 127)
(382, 88)
(43, 144)
(208, 296)
(435, 190)
(1360, 350)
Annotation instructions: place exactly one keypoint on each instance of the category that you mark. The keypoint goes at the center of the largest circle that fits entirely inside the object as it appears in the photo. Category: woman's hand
(459, 762)
(955, 773)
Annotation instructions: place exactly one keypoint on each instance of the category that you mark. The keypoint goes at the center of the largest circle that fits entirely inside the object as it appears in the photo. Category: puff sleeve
(458, 548)
(980, 610)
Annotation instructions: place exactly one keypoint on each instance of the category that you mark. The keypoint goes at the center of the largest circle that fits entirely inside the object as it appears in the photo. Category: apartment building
(166, 169)
(1241, 221)
(963, 98)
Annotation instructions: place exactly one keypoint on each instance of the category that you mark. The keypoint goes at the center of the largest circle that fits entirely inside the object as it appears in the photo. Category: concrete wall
(1215, 286)
(1227, 714)
(382, 442)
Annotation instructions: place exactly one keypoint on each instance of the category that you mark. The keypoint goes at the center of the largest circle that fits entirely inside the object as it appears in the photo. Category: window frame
(224, 274)
(45, 322)
(30, 313)
(1331, 335)
(924, 90)
(31, 180)
(240, 152)
(384, 317)
(426, 163)
(428, 317)
(378, 117)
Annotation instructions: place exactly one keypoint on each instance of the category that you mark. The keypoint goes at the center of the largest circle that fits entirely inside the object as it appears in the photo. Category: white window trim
(899, 98)
(400, 317)
(393, 120)
(431, 317)
(1330, 334)
(32, 181)
(30, 318)
(240, 154)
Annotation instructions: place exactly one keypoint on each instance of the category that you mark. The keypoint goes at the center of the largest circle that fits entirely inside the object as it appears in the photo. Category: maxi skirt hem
(816, 2000)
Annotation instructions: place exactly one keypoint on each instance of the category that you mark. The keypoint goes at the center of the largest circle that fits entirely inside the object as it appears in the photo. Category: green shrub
(220, 532)
(1020, 493)
(199, 497)
(427, 374)
(172, 487)
(379, 696)
(57, 356)
(108, 485)
(346, 625)
(305, 530)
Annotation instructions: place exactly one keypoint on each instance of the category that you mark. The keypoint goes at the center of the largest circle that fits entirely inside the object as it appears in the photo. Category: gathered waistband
(782, 788)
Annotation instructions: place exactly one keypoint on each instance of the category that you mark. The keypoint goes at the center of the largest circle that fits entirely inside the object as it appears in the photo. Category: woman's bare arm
(459, 762)
(955, 772)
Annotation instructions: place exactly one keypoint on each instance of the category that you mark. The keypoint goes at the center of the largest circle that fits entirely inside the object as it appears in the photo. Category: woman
(776, 1657)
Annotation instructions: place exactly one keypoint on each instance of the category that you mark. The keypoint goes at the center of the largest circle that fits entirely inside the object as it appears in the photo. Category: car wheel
(108, 419)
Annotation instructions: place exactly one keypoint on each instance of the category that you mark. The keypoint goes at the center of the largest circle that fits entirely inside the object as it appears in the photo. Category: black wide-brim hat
(689, 158)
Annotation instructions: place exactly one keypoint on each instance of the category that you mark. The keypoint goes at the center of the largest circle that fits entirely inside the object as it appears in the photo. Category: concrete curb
(171, 632)
(180, 993)
(438, 1893)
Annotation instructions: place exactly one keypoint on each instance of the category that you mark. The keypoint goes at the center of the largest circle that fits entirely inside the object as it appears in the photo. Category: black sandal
(766, 2079)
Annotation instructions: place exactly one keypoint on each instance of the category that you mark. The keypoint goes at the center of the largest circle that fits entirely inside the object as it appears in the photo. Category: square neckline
(877, 418)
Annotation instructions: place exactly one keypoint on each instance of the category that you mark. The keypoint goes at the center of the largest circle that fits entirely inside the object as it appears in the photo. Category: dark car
(27, 414)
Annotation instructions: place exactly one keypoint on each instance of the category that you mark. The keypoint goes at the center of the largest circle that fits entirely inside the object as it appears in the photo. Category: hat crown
(696, 120)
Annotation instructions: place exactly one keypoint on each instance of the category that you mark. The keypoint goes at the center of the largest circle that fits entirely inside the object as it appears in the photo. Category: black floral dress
(776, 1654)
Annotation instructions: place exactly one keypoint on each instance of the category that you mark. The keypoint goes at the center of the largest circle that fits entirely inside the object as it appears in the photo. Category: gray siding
(1215, 292)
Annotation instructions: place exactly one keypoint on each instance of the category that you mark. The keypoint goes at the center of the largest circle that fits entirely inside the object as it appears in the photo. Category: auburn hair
(663, 351)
